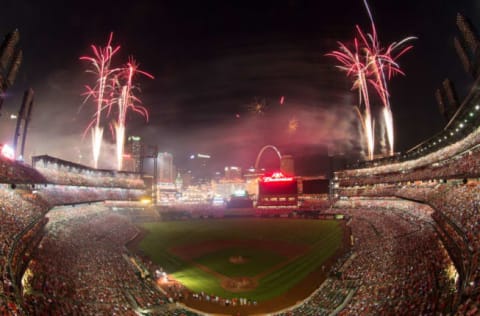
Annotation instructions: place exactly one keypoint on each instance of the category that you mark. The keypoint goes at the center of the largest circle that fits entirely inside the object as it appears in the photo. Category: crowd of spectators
(447, 180)
(26, 196)
(22, 219)
(449, 152)
(65, 172)
(67, 194)
(71, 183)
(399, 262)
(81, 266)
(70, 176)
(457, 217)
(462, 166)
(13, 172)
(325, 300)
(397, 265)
(458, 214)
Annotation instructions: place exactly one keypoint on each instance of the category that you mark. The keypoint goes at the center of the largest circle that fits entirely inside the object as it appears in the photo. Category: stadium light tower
(24, 115)
(10, 60)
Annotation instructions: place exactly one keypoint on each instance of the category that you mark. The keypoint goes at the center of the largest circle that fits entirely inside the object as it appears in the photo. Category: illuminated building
(226, 188)
(166, 193)
(232, 173)
(134, 154)
(251, 181)
(165, 168)
(179, 182)
(197, 195)
(186, 179)
(166, 188)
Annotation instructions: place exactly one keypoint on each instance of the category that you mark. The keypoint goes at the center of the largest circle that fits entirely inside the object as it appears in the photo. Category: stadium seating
(444, 180)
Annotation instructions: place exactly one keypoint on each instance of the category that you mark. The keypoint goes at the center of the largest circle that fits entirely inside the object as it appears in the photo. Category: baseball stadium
(390, 234)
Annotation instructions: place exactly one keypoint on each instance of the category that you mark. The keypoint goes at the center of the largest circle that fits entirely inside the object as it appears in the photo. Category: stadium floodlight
(7, 152)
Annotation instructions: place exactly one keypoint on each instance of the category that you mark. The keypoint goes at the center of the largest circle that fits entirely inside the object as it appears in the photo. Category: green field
(257, 261)
(275, 271)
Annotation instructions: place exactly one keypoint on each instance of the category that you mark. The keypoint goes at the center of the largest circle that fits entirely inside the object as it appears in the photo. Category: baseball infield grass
(276, 253)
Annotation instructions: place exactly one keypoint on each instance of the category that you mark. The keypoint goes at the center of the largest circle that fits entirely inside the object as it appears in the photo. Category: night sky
(211, 61)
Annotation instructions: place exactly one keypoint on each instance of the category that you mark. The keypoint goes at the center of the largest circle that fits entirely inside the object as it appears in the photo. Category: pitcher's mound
(237, 259)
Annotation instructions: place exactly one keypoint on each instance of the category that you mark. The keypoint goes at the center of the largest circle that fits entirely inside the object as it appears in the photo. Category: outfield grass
(323, 238)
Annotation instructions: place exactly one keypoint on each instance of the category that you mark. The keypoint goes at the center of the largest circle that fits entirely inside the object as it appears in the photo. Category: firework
(368, 129)
(127, 101)
(351, 62)
(371, 64)
(382, 66)
(101, 92)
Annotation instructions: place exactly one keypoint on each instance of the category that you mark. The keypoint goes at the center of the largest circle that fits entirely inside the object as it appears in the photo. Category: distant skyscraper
(134, 149)
(199, 166)
(287, 165)
(165, 168)
(179, 182)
